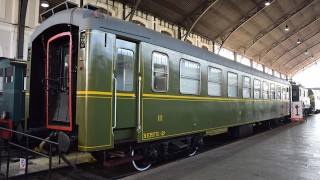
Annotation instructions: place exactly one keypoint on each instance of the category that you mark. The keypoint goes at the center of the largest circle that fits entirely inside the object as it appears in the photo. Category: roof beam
(197, 15)
(242, 21)
(296, 31)
(283, 19)
(296, 65)
(297, 45)
(281, 68)
(133, 10)
(309, 64)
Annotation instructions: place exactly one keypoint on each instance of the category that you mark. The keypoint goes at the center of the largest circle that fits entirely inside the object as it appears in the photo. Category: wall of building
(8, 28)
(9, 13)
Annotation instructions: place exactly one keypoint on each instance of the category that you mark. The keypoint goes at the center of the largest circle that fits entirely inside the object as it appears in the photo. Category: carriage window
(189, 77)
(246, 87)
(9, 74)
(278, 92)
(265, 90)
(124, 68)
(232, 85)
(284, 93)
(273, 91)
(214, 81)
(160, 72)
(256, 89)
(295, 93)
(1, 82)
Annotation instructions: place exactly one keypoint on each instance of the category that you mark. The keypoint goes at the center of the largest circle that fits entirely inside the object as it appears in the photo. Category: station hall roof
(248, 27)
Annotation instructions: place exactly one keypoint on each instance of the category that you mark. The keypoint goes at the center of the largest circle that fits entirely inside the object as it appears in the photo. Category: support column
(23, 4)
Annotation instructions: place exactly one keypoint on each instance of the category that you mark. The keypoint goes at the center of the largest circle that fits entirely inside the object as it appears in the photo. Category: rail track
(98, 171)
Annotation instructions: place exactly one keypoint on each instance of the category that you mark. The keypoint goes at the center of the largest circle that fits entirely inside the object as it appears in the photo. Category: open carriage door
(58, 82)
(125, 98)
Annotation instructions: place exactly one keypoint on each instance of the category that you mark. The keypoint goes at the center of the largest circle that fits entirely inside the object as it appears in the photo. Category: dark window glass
(138, 23)
(160, 72)
(205, 47)
(166, 33)
(124, 68)
(9, 75)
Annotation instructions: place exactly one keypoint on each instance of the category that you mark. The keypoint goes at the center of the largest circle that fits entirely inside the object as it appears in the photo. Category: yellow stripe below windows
(85, 93)
(93, 93)
(195, 98)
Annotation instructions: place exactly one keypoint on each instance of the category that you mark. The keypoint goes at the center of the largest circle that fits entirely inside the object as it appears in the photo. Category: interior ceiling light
(298, 41)
(287, 28)
(44, 4)
(267, 3)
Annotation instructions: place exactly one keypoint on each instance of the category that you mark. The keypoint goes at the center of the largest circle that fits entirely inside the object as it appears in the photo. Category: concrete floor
(289, 152)
(42, 164)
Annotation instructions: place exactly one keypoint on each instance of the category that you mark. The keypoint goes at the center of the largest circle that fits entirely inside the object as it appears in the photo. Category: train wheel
(140, 165)
(193, 151)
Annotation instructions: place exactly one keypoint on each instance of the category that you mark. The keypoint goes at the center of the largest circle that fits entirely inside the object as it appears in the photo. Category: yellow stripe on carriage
(93, 93)
(85, 93)
(197, 98)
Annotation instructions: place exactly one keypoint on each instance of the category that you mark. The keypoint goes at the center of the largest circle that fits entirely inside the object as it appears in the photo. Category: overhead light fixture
(287, 28)
(267, 3)
(298, 41)
(306, 52)
(312, 57)
(44, 4)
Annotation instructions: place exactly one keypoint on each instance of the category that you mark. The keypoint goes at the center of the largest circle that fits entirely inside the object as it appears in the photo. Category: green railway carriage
(118, 88)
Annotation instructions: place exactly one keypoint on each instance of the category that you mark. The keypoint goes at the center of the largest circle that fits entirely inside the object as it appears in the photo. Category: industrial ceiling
(249, 27)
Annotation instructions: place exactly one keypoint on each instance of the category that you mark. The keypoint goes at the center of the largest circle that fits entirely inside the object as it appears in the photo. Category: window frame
(133, 71)
(220, 83)
(264, 90)
(180, 76)
(2, 81)
(272, 91)
(228, 85)
(277, 89)
(284, 93)
(6, 77)
(166, 73)
(254, 88)
(250, 94)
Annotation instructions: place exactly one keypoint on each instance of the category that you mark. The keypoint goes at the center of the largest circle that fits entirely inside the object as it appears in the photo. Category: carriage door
(125, 73)
(58, 82)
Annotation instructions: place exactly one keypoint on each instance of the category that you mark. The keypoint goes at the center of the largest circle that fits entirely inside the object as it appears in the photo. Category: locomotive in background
(314, 95)
(12, 94)
(129, 94)
(300, 102)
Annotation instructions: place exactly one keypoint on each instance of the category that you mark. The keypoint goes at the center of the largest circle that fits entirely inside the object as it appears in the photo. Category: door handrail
(115, 104)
